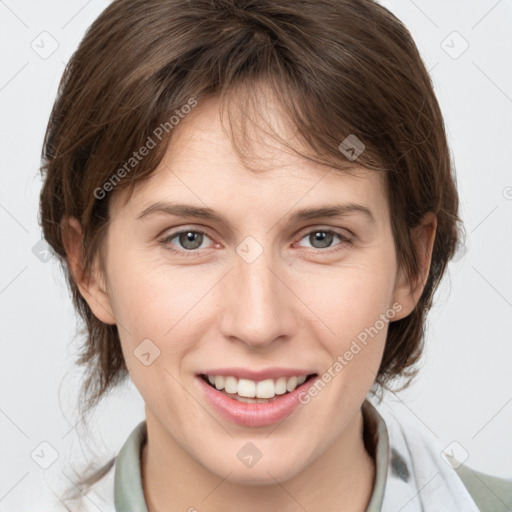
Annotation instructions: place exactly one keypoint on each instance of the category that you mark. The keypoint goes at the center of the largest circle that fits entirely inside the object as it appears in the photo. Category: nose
(258, 304)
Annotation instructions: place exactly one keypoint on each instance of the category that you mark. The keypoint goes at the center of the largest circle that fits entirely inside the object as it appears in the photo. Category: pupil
(324, 238)
(191, 240)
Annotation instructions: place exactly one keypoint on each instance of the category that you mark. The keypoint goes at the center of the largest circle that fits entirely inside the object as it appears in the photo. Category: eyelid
(342, 232)
(173, 234)
(345, 236)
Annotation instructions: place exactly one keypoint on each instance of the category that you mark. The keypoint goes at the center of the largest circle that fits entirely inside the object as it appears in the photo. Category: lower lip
(255, 415)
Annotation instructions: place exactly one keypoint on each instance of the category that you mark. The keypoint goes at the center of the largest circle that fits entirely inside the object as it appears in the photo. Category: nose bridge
(259, 308)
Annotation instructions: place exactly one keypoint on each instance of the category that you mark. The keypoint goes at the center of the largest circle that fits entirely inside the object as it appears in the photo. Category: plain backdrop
(463, 394)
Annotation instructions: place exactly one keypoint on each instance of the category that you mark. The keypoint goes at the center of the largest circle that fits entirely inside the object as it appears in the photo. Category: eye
(189, 240)
(323, 238)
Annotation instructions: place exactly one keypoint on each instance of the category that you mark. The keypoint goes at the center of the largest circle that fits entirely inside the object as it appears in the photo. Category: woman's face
(268, 288)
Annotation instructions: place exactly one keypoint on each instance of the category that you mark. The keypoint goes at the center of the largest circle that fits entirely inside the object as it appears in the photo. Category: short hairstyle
(337, 67)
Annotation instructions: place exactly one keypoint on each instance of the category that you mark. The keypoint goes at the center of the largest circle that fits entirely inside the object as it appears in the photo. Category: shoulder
(490, 493)
(458, 485)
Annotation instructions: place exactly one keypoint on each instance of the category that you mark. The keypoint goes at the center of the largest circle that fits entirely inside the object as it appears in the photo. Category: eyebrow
(185, 210)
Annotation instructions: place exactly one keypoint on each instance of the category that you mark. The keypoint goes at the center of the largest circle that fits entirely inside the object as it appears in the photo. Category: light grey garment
(411, 475)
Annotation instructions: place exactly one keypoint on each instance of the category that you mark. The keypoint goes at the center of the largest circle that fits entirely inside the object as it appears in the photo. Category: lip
(254, 415)
(257, 375)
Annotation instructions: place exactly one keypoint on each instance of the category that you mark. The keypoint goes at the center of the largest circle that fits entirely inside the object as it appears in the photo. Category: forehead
(202, 167)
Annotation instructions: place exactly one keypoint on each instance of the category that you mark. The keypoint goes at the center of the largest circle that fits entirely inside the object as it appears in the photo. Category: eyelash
(345, 240)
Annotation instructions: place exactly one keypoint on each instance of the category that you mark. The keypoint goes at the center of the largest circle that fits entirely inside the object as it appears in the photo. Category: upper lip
(257, 375)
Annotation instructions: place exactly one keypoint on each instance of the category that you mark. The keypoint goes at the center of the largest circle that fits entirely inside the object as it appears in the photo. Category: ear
(423, 237)
(92, 287)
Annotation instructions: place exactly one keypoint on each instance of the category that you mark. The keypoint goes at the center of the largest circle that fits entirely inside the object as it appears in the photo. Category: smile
(270, 400)
(250, 391)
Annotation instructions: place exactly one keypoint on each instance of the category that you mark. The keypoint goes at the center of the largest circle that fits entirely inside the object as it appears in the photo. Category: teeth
(219, 382)
(247, 388)
(231, 385)
(265, 389)
(281, 386)
(291, 384)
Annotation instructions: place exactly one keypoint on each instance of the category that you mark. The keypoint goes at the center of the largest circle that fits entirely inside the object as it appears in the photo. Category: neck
(340, 479)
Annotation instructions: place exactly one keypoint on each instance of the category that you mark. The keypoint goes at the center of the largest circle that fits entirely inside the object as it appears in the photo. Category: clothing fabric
(411, 474)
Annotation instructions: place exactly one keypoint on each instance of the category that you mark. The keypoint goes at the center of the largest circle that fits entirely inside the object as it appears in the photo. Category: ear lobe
(423, 237)
(92, 287)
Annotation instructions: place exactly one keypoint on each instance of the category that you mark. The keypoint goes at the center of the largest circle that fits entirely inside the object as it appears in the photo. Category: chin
(260, 474)
(262, 478)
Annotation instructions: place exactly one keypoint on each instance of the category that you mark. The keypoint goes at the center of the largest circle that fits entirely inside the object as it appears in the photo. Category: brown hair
(338, 67)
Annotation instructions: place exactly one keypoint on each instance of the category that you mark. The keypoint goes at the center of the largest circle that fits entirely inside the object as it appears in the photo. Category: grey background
(463, 395)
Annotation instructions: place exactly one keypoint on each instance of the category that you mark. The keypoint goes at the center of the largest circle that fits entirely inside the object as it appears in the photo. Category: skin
(299, 304)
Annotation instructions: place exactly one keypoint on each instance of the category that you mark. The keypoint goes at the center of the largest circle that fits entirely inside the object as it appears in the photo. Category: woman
(254, 204)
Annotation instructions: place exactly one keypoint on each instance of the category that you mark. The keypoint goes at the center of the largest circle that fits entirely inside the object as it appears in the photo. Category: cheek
(169, 307)
(150, 299)
(350, 299)
(355, 304)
